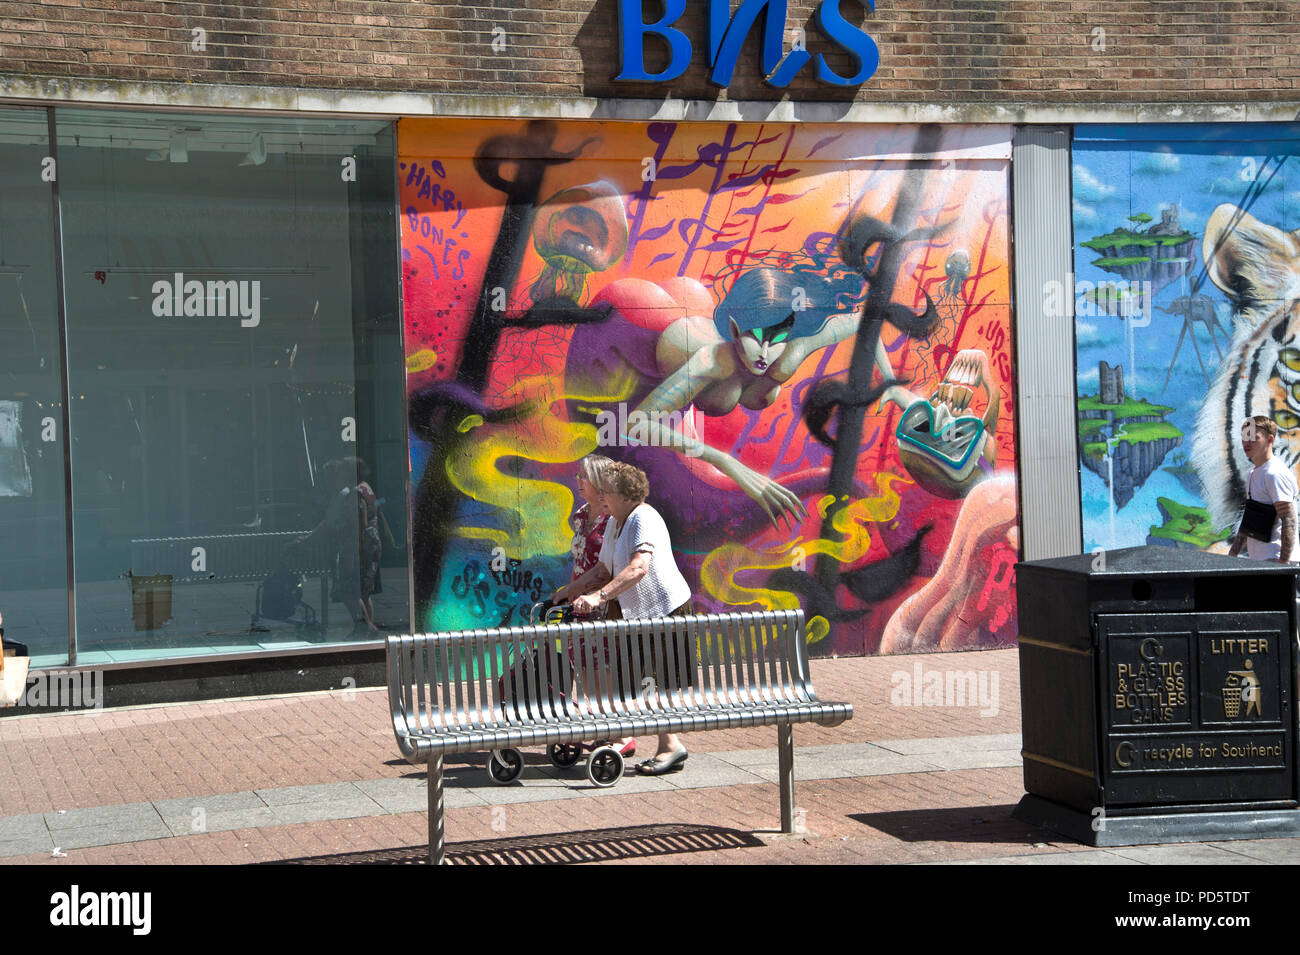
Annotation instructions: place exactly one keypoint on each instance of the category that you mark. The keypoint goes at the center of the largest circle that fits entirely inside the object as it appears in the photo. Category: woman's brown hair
(629, 482)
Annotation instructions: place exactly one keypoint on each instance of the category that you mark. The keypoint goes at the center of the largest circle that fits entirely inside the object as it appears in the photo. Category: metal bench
(495, 690)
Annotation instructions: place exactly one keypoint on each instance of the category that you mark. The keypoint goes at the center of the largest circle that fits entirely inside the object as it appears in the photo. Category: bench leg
(785, 770)
(436, 849)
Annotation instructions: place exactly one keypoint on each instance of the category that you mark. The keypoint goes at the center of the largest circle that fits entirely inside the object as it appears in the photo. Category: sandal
(657, 766)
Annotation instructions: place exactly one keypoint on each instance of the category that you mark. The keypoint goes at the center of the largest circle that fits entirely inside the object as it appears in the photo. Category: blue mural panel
(1186, 274)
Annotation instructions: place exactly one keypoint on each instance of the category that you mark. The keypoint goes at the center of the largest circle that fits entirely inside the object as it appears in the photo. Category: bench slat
(735, 651)
(420, 660)
(481, 710)
(753, 666)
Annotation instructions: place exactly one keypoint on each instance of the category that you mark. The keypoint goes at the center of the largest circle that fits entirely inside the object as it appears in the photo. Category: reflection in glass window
(33, 526)
(237, 459)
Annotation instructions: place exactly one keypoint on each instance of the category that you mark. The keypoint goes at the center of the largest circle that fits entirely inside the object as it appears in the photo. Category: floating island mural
(1123, 440)
(1185, 527)
(1158, 254)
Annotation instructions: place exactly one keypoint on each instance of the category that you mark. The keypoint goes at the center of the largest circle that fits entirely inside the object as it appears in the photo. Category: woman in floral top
(589, 523)
(589, 520)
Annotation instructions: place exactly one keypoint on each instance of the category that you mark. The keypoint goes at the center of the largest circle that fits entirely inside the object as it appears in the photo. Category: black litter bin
(1157, 694)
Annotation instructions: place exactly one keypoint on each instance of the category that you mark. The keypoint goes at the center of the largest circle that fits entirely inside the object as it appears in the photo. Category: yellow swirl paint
(818, 629)
(422, 360)
(723, 565)
(534, 515)
(720, 568)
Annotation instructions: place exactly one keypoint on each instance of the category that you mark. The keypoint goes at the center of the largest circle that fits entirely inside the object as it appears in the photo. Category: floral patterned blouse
(588, 535)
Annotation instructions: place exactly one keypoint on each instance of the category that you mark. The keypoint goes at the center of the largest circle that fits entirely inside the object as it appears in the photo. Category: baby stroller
(605, 762)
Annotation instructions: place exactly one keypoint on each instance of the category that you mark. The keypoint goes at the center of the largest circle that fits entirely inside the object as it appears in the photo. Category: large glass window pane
(34, 578)
(232, 338)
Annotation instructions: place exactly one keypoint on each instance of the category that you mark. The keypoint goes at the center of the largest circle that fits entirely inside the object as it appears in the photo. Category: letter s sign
(843, 34)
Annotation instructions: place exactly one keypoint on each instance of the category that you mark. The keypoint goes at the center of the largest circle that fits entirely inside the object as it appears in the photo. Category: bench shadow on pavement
(972, 824)
(558, 848)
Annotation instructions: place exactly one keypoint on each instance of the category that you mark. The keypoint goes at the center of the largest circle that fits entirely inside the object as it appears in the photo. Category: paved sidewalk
(470, 787)
(316, 778)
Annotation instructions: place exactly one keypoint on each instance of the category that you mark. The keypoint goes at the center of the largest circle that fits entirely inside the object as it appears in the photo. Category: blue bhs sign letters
(727, 35)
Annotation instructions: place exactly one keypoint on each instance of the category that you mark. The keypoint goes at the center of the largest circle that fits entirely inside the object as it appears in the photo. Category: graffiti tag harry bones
(215, 299)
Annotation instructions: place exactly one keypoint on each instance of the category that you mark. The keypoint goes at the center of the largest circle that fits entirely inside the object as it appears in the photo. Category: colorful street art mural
(1186, 270)
(801, 333)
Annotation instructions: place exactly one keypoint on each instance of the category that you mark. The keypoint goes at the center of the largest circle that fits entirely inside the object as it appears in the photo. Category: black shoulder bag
(1257, 519)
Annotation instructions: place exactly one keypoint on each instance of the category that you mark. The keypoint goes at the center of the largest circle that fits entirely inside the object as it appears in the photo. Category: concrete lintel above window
(30, 89)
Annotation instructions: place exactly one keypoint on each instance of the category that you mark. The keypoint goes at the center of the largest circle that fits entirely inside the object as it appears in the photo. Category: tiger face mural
(1258, 266)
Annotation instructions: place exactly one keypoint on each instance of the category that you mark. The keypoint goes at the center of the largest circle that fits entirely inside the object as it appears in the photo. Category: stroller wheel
(564, 755)
(505, 765)
(605, 767)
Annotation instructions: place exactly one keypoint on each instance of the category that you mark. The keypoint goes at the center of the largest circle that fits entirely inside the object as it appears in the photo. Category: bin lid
(1153, 560)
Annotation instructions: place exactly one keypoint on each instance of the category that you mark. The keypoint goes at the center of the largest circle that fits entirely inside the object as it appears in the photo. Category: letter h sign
(726, 35)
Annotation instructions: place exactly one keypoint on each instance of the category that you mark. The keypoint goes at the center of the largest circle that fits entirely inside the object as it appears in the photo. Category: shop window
(232, 336)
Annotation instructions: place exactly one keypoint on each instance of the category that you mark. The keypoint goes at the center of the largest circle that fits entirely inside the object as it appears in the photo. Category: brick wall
(933, 51)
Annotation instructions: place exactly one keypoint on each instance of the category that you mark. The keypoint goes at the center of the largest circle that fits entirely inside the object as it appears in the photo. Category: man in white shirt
(1271, 482)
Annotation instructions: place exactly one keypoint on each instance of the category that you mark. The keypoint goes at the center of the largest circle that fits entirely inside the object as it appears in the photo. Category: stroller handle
(547, 612)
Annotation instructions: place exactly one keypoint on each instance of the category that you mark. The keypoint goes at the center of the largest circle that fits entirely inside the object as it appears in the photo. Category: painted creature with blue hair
(767, 324)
